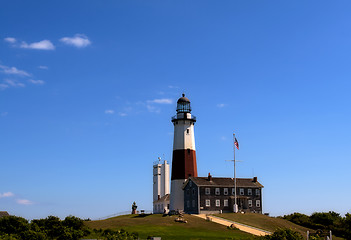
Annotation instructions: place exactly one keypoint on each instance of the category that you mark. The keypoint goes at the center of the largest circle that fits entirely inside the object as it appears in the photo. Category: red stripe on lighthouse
(184, 164)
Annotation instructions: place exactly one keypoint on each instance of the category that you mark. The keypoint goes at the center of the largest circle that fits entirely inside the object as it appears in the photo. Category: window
(193, 191)
(257, 191)
(249, 191)
(250, 203)
(218, 191)
(187, 131)
(233, 191)
(187, 192)
(241, 191)
(225, 203)
(258, 203)
(190, 183)
(208, 203)
(207, 191)
(193, 203)
(218, 203)
(188, 150)
(187, 204)
(225, 191)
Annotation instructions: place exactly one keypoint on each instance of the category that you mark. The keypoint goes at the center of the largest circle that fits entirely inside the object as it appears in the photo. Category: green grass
(165, 227)
(265, 222)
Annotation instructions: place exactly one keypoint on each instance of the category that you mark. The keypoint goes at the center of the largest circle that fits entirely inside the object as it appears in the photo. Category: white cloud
(10, 40)
(43, 67)
(3, 86)
(3, 114)
(223, 138)
(170, 86)
(79, 41)
(221, 105)
(153, 109)
(122, 114)
(14, 71)
(24, 202)
(13, 83)
(6, 194)
(109, 111)
(161, 101)
(41, 45)
(36, 82)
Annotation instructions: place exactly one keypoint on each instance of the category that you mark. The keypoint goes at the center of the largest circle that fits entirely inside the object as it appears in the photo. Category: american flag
(236, 143)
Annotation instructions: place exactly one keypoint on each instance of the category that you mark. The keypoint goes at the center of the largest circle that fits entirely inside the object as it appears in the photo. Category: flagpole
(235, 200)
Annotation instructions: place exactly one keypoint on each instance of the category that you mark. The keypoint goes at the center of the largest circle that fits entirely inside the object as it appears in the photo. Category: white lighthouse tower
(184, 155)
(160, 186)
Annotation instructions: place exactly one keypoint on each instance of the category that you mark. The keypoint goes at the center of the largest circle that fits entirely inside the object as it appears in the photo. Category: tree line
(53, 228)
(325, 221)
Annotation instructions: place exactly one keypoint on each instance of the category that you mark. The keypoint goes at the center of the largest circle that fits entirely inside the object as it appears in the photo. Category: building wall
(242, 200)
(160, 180)
(198, 194)
(191, 198)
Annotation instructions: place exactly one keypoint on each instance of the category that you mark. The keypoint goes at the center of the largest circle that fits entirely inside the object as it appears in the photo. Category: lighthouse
(184, 155)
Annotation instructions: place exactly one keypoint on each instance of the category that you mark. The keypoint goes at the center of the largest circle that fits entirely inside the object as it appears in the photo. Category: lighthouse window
(188, 150)
(187, 131)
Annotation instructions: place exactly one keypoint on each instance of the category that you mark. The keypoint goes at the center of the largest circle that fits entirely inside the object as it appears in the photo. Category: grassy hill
(263, 222)
(165, 227)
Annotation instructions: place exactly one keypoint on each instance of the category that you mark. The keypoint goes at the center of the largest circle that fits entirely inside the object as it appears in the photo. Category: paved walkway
(240, 226)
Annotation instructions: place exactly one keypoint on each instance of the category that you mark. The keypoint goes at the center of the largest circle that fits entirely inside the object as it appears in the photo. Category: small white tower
(160, 185)
(184, 154)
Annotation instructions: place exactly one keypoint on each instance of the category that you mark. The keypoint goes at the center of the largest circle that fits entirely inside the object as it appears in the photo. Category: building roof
(165, 198)
(4, 214)
(224, 182)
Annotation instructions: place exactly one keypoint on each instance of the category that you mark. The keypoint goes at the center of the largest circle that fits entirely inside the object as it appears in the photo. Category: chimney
(209, 178)
(254, 179)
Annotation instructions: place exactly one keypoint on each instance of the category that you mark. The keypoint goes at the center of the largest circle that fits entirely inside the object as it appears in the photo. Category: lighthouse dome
(183, 99)
(183, 105)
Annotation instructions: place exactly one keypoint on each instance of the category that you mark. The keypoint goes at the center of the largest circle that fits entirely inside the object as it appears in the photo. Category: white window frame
(218, 202)
(257, 192)
(218, 191)
(258, 203)
(241, 190)
(249, 203)
(225, 191)
(208, 203)
(249, 191)
(225, 203)
(207, 191)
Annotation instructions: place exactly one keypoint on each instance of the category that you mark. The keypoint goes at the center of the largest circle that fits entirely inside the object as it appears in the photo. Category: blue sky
(88, 89)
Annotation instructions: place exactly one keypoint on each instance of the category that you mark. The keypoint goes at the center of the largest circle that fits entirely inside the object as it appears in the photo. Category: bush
(284, 234)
